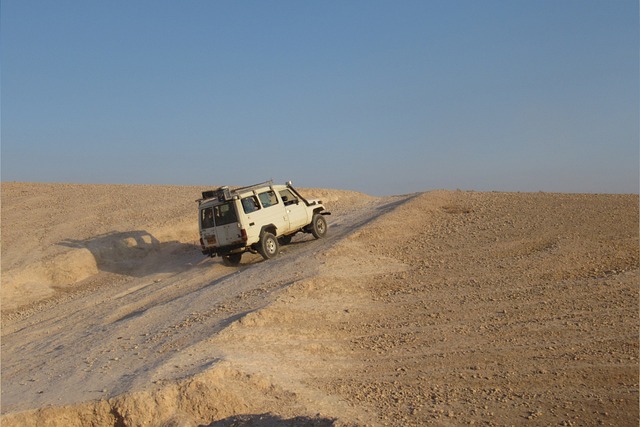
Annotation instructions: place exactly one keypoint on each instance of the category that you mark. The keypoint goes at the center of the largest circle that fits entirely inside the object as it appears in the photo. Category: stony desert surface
(441, 308)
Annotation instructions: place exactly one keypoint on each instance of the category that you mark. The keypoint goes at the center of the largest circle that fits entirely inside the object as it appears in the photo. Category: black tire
(318, 226)
(232, 259)
(268, 246)
(285, 240)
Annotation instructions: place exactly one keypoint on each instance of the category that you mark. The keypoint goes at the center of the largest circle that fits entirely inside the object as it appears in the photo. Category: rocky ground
(439, 308)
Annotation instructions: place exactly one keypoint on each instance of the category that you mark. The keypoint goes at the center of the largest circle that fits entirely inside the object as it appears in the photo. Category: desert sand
(438, 308)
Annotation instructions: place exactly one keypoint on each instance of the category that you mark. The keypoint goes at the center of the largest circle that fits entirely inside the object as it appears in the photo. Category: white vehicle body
(256, 219)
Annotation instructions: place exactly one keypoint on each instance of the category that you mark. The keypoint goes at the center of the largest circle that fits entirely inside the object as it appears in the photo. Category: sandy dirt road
(441, 308)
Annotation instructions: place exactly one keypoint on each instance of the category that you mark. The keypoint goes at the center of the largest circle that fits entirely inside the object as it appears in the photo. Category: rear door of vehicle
(227, 228)
(207, 227)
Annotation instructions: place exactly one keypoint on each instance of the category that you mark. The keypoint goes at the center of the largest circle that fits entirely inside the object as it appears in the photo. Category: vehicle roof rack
(251, 187)
(225, 193)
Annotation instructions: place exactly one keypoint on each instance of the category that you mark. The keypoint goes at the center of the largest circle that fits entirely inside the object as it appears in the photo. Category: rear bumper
(224, 250)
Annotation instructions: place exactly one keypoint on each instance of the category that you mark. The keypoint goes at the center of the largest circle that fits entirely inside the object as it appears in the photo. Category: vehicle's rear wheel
(232, 259)
(318, 226)
(268, 246)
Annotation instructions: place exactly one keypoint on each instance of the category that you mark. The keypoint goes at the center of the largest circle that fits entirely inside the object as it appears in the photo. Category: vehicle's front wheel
(232, 259)
(318, 226)
(268, 246)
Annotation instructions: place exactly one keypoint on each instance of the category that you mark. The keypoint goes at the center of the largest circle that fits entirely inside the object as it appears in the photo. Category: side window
(288, 197)
(206, 217)
(250, 204)
(268, 198)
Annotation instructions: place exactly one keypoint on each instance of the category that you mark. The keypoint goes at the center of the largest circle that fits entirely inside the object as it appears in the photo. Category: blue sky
(384, 97)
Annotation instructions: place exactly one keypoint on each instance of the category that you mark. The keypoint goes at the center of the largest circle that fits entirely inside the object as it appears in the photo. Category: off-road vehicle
(256, 219)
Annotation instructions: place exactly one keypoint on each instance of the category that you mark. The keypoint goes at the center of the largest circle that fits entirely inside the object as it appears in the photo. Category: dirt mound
(56, 235)
(221, 394)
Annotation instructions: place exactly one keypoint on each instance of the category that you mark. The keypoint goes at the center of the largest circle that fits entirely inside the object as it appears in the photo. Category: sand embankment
(440, 308)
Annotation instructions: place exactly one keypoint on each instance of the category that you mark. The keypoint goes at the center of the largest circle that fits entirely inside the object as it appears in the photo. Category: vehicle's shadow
(137, 253)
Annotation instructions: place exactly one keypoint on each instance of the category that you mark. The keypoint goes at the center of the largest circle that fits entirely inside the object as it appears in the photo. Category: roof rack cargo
(221, 193)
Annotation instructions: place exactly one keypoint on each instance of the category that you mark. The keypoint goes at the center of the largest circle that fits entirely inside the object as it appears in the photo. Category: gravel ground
(438, 308)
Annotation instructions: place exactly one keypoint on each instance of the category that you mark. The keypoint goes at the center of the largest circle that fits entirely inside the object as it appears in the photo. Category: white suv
(256, 219)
